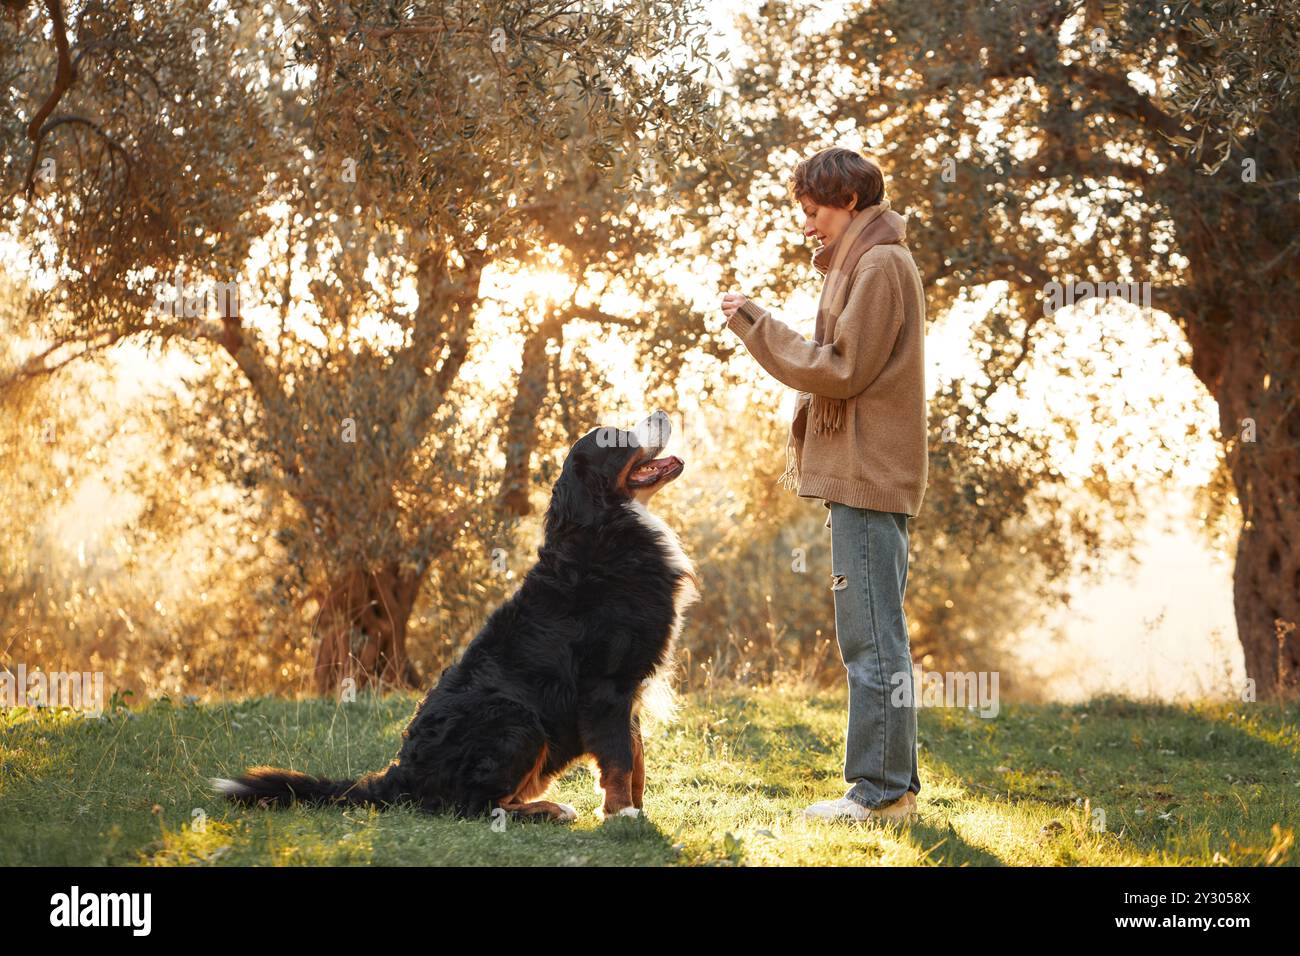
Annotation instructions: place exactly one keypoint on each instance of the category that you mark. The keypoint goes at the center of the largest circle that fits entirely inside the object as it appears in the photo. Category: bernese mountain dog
(557, 672)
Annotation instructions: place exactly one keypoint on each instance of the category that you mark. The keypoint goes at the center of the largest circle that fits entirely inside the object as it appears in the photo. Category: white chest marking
(686, 592)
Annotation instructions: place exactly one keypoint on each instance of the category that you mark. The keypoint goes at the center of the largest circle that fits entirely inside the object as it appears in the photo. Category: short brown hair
(835, 175)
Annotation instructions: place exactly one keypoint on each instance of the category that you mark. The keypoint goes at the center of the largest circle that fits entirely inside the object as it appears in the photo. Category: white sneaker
(845, 809)
(841, 808)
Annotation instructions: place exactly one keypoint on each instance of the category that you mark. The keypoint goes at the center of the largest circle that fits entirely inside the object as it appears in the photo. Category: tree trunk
(362, 631)
(1257, 391)
(521, 430)
(1241, 314)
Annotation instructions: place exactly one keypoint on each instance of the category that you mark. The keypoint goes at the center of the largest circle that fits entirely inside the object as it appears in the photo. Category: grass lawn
(1110, 783)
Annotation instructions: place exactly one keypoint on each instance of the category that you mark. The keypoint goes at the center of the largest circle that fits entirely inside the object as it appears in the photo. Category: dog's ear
(572, 501)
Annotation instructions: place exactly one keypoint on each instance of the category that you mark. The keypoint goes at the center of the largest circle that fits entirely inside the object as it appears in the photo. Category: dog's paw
(568, 813)
(625, 812)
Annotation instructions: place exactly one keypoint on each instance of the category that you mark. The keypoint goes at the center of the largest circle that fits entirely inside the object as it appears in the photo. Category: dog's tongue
(651, 470)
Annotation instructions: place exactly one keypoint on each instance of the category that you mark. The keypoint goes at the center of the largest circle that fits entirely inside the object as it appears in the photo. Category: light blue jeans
(869, 579)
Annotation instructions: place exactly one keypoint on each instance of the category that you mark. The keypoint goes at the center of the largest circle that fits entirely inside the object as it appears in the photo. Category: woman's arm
(864, 336)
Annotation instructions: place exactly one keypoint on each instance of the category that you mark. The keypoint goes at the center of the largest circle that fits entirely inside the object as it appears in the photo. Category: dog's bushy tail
(272, 786)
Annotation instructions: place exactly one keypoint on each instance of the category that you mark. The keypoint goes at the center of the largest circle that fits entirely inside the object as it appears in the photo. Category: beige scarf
(837, 260)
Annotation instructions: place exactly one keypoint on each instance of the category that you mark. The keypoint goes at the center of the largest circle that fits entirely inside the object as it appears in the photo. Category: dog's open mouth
(654, 471)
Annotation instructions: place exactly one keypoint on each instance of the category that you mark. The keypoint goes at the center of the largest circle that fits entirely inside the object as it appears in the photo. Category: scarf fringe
(790, 477)
(828, 413)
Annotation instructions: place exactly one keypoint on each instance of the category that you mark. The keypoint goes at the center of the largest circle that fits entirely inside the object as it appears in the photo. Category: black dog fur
(557, 671)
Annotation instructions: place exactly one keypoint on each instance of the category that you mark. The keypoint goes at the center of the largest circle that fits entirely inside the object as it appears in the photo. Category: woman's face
(825, 223)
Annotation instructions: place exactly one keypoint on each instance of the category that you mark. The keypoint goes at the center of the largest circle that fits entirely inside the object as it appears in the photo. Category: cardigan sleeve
(864, 338)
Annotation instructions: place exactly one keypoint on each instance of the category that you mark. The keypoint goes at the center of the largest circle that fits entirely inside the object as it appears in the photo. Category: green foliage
(338, 190)
(1035, 143)
(362, 178)
(1241, 62)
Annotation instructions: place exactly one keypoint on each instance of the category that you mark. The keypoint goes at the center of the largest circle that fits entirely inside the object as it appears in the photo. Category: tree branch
(1129, 101)
(34, 366)
(63, 80)
(228, 333)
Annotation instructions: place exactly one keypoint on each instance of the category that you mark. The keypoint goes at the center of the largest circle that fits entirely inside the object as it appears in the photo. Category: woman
(858, 442)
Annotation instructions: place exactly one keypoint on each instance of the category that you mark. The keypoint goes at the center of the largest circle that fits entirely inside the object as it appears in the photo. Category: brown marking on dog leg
(538, 808)
(617, 784)
(521, 804)
(534, 783)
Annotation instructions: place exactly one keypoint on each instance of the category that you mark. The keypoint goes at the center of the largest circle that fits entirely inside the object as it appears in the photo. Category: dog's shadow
(590, 841)
(640, 829)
